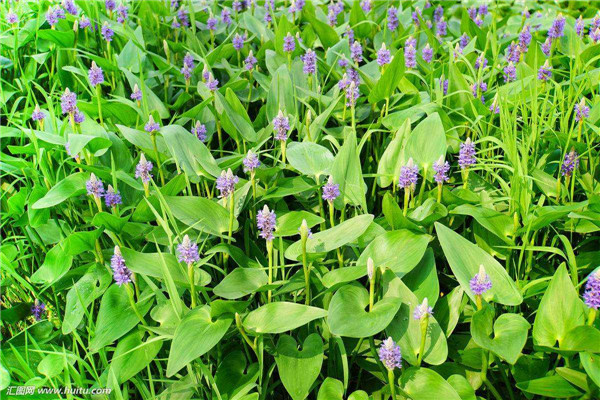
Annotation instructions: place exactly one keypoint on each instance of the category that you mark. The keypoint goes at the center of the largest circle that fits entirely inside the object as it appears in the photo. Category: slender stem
(592, 316)
(306, 268)
(134, 305)
(392, 383)
(424, 324)
(99, 96)
(270, 255)
(192, 284)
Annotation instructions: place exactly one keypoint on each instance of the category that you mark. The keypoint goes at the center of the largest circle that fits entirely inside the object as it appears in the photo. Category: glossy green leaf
(298, 370)
(281, 316)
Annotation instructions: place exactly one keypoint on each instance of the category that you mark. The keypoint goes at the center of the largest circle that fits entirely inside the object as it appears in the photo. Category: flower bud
(370, 268)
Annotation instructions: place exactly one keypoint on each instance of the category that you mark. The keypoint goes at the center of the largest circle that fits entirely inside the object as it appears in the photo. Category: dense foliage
(301, 199)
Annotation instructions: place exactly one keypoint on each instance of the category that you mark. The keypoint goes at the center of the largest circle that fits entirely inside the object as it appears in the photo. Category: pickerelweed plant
(296, 199)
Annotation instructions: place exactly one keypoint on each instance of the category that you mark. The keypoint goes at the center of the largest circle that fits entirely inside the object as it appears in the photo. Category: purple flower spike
(472, 12)
(427, 53)
(442, 28)
(356, 52)
(188, 60)
(331, 191)
(595, 35)
(107, 32)
(151, 125)
(481, 282)
(582, 111)
(187, 251)
(546, 47)
(441, 169)
(464, 40)
(310, 62)
(37, 114)
(122, 13)
(110, 5)
(212, 84)
(392, 18)
(415, 16)
(383, 56)
(281, 126)
(289, 44)
(557, 28)
(481, 62)
(390, 354)
(483, 9)
(95, 75)
(68, 102)
(494, 107)
(11, 18)
(510, 73)
(226, 183)
(410, 59)
(579, 26)
(52, 17)
(143, 169)
(94, 187)
(444, 85)
(411, 41)
(238, 41)
(366, 5)
(525, 38)
(186, 72)
(591, 296)
(78, 116)
(438, 13)
(545, 72)
(136, 94)
(200, 131)
(466, 156)
(570, 163)
(265, 221)
(112, 198)
(251, 162)
(250, 61)
(423, 310)
(350, 35)
(211, 23)
(352, 94)
(84, 22)
(38, 310)
(121, 274)
(409, 176)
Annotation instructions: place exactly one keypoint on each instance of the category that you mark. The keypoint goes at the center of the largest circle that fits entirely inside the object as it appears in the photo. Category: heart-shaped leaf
(196, 334)
(281, 316)
(509, 333)
(241, 282)
(426, 384)
(399, 250)
(465, 258)
(309, 158)
(406, 331)
(348, 317)
(290, 361)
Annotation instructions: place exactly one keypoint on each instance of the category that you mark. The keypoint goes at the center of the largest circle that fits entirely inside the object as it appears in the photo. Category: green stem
(134, 305)
(306, 271)
(392, 383)
(99, 96)
(157, 155)
(192, 284)
(592, 316)
(270, 255)
(424, 324)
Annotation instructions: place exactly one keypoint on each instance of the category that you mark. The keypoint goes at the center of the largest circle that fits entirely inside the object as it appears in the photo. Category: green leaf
(332, 238)
(427, 142)
(281, 94)
(559, 311)
(406, 330)
(154, 104)
(499, 224)
(290, 361)
(591, 364)
(88, 288)
(426, 384)
(389, 81)
(235, 117)
(393, 157)
(399, 250)
(289, 223)
(200, 213)
(347, 315)
(346, 171)
(309, 158)
(195, 335)
(133, 355)
(423, 279)
(281, 316)
(358, 21)
(116, 317)
(150, 264)
(582, 338)
(465, 258)
(190, 153)
(553, 386)
(241, 282)
(509, 333)
(64, 39)
(72, 185)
